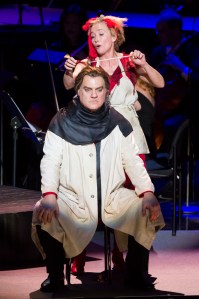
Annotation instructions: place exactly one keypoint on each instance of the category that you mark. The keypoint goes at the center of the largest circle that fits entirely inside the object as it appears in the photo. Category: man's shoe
(118, 260)
(51, 285)
(144, 282)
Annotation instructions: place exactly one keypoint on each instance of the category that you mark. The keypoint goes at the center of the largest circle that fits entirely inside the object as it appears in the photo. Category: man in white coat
(88, 148)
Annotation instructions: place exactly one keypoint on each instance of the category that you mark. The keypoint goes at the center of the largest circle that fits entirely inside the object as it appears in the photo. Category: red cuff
(142, 194)
(47, 193)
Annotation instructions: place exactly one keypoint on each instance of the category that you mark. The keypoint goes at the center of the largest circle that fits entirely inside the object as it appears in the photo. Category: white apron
(122, 98)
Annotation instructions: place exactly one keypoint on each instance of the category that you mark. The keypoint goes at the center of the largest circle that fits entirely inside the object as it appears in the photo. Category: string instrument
(169, 98)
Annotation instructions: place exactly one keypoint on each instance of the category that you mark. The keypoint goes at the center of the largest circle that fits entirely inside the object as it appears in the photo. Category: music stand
(18, 121)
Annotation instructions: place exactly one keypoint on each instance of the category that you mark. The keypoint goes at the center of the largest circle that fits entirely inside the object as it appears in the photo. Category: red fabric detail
(114, 79)
(91, 48)
(128, 183)
(129, 68)
(111, 23)
(79, 262)
(141, 195)
(47, 193)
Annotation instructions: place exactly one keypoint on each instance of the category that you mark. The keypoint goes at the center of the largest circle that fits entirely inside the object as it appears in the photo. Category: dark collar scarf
(79, 126)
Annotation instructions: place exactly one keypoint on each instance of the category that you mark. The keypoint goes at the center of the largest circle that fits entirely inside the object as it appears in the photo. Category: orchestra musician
(177, 59)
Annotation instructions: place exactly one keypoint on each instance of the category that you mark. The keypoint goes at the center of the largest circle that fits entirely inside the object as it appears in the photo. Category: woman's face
(101, 38)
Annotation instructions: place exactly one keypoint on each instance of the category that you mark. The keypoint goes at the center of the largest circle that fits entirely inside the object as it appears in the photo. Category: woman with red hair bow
(105, 36)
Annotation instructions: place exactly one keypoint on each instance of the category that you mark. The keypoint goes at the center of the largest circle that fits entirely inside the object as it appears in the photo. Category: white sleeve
(134, 166)
(51, 163)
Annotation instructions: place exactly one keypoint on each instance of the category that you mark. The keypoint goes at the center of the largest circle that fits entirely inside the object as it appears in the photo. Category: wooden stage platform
(17, 200)
(17, 248)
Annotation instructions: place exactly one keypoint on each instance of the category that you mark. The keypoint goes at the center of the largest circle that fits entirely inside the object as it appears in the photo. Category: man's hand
(151, 203)
(47, 208)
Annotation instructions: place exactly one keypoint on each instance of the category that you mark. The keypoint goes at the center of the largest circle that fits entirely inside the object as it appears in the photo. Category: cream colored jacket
(70, 171)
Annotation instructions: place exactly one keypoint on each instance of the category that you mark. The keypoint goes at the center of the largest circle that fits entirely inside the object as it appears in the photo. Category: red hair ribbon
(109, 22)
(92, 50)
(86, 26)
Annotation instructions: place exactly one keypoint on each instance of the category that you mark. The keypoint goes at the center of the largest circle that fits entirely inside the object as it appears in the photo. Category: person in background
(146, 113)
(71, 40)
(71, 37)
(177, 59)
(88, 148)
(105, 36)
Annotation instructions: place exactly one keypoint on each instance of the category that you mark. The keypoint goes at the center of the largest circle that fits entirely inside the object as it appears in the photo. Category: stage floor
(174, 260)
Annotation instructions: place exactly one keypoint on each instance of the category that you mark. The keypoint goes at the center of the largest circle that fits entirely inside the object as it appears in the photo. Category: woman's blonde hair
(146, 86)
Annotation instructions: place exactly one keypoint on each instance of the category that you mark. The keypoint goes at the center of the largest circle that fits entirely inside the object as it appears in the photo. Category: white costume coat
(70, 171)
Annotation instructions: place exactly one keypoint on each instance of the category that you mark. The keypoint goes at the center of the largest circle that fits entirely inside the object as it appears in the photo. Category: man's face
(92, 93)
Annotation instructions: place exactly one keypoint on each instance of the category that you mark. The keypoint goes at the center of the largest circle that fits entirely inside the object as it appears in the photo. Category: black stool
(106, 275)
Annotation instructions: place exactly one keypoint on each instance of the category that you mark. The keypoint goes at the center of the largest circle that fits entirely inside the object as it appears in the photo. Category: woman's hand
(73, 68)
(70, 63)
(47, 208)
(150, 75)
(138, 58)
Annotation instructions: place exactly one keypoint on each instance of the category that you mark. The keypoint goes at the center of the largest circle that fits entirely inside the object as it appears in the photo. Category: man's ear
(107, 94)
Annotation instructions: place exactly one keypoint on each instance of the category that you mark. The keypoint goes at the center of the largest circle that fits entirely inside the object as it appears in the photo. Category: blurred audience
(177, 59)
(39, 114)
(71, 35)
(72, 41)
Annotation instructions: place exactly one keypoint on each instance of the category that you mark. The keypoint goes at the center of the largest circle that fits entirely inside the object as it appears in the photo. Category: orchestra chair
(106, 275)
(178, 158)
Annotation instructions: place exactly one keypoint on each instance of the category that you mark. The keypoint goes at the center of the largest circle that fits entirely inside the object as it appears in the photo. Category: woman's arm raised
(73, 68)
